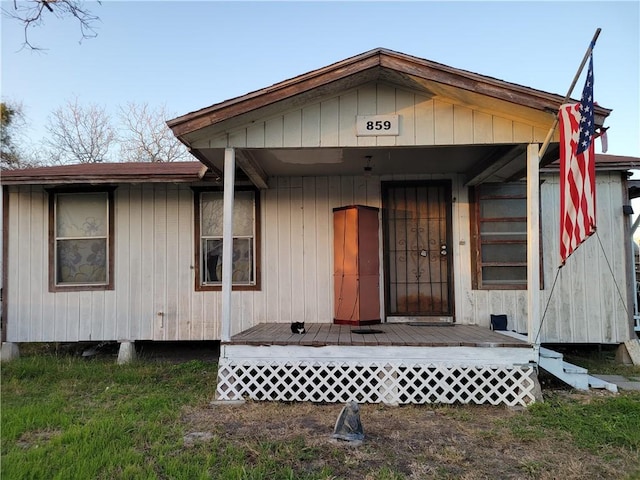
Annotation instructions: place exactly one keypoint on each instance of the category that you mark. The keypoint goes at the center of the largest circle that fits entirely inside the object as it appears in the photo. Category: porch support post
(227, 241)
(533, 245)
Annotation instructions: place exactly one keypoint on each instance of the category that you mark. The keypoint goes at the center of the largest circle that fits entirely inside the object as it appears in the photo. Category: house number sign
(375, 125)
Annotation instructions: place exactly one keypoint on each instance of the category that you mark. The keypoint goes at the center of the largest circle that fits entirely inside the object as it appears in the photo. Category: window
(500, 230)
(81, 242)
(209, 210)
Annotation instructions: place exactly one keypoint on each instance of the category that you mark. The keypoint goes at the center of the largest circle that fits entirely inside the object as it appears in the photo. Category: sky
(190, 55)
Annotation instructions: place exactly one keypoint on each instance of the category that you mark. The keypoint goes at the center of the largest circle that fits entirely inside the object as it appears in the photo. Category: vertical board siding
(135, 262)
(406, 109)
(463, 119)
(184, 278)
(347, 110)
(159, 248)
(424, 121)
(311, 125)
(324, 249)
(155, 299)
(22, 271)
(367, 105)
(284, 266)
(522, 133)
(587, 304)
(502, 130)
(309, 250)
(149, 272)
(386, 105)
(170, 326)
(301, 263)
(331, 123)
(330, 128)
(39, 255)
(153, 274)
(482, 127)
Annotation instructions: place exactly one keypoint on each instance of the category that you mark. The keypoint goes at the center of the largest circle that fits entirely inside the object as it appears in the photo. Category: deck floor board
(393, 334)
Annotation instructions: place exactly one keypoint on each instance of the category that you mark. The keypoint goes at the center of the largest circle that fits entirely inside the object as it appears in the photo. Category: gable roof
(375, 65)
(102, 173)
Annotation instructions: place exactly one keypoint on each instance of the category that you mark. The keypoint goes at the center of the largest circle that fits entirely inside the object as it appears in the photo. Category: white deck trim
(467, 356)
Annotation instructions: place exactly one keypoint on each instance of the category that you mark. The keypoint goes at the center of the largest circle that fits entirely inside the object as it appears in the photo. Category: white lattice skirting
(375, 382)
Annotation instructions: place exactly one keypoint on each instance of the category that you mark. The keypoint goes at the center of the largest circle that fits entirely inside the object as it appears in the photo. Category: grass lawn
(65, 417)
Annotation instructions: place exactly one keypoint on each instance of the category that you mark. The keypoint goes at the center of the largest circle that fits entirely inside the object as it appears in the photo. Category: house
(390, 203)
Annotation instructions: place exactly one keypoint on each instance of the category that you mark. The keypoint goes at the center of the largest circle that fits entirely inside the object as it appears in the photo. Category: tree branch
(30, 14)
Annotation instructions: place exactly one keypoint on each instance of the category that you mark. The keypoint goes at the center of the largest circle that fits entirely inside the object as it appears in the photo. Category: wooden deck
(390, 334)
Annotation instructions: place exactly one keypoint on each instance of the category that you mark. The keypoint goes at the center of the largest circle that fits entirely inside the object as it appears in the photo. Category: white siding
(154, 296)
(588, 304)
(155, 299)
(423, 121)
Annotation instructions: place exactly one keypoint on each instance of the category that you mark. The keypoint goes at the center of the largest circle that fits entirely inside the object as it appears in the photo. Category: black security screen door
(417, 248)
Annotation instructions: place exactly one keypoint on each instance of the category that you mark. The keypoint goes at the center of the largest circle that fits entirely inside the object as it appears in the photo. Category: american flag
(577, 170)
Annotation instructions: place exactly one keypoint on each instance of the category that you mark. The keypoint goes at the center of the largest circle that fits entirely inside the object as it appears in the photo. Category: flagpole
(547, 140)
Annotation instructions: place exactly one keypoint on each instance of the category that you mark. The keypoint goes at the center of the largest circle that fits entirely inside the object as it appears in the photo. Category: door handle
(443, 250)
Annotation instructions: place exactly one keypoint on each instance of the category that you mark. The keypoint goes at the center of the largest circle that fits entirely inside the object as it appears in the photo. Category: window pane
(243, 214)
(242, 260)
(503, 208)
(212, 211)
(501, 275)
(503, 189)
(81, 215)
(82, 261)
(504, 253)
(212, 260)
(503, 231)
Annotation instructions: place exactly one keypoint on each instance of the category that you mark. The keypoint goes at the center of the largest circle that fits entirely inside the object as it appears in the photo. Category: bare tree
(80, 134)
(146, 137)
(31, 13)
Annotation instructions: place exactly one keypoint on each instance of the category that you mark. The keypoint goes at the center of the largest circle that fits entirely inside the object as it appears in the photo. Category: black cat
(298, 327)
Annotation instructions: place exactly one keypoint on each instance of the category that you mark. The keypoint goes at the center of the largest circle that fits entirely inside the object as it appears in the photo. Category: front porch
(386, 363)
(386, 334)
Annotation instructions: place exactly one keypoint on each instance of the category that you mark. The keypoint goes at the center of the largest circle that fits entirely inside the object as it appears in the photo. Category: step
(574, 369)
(595, 382)
(546, 353)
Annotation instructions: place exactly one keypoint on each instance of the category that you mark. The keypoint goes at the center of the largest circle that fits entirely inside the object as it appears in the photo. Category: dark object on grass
(348, 426)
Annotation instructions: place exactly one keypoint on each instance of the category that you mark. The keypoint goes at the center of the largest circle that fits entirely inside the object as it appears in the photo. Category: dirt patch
(35, 439)
(463, 442)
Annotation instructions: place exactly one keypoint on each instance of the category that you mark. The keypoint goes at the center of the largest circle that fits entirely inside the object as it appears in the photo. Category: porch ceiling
(479, 163)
